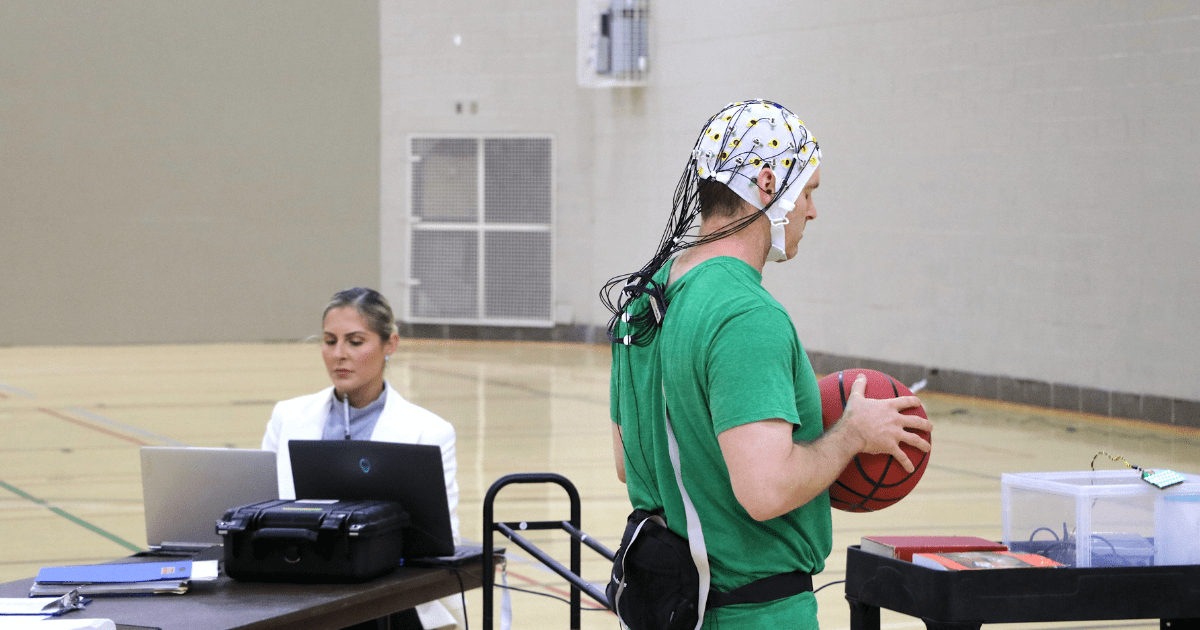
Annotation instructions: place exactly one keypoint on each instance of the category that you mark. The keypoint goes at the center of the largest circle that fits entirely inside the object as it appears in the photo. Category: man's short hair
(717, 200)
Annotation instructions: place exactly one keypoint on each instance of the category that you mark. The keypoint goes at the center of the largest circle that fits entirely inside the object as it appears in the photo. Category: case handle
(287, 533)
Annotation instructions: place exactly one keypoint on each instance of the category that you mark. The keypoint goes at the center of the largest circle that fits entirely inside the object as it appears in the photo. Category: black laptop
(409, 474)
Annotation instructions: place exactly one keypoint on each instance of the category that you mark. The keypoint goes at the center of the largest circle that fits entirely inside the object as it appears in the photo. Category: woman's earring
(386, 357)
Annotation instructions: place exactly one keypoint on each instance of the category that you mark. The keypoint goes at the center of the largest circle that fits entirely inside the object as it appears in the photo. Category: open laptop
(409, 474)
(186, 490)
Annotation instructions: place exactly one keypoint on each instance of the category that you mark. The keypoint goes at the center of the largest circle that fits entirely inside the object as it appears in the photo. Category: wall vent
(481, 230)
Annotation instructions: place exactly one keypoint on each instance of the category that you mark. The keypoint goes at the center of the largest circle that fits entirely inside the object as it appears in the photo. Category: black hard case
(306, 541)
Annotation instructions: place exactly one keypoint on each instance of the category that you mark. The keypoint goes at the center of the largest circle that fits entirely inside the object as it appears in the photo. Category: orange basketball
(870, 482)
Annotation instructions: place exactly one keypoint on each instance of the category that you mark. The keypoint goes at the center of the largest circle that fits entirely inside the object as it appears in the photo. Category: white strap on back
(695, 533)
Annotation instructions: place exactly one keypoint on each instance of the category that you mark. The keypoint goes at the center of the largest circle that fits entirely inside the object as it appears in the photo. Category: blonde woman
(358, 337)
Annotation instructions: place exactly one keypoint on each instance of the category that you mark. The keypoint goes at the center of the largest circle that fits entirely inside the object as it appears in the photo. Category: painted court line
(96, 417)
(126, 428)
(93, 427)
(14, 390)
(70, 517)
(541, 393)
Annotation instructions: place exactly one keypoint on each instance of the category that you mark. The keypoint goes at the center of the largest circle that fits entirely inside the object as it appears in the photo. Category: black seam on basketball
(924, 455)
(863, 474)
(875, 483)
(887, 469)
(842, 394)
(876, 486)
(850, 491)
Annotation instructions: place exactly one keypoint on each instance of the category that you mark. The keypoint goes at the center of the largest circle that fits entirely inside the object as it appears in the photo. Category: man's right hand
(880, 426)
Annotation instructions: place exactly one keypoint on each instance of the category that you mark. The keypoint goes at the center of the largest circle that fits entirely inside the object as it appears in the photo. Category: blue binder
(107, 573)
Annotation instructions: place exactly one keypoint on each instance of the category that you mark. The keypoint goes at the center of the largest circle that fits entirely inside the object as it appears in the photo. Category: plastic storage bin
(1104, 518)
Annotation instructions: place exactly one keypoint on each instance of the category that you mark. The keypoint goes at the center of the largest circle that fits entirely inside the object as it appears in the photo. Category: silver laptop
(186, 490)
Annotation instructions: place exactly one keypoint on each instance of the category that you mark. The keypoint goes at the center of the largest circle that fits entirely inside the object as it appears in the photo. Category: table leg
(863, 616)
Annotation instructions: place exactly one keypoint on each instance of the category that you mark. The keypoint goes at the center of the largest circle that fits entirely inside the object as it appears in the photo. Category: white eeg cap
(748, 135)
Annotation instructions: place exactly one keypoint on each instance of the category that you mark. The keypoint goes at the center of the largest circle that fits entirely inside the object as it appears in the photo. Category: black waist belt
(767, 589)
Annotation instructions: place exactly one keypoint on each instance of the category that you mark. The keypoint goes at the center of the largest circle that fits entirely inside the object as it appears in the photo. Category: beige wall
(1009, 189)
(515, 62)
(184, 171)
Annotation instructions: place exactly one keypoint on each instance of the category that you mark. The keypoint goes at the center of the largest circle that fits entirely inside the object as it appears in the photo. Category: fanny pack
(661, 581)
(655, 584)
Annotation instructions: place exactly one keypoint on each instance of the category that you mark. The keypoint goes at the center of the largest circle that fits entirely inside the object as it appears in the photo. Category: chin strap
(777, 214)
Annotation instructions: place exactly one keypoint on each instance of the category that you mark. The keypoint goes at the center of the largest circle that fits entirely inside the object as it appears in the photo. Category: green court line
(70, 517)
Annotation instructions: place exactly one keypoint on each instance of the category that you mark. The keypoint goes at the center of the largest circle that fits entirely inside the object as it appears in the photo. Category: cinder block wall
(1008, 190)
(1007, 193)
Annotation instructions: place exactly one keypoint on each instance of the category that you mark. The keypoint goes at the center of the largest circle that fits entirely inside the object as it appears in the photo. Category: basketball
(870, 482)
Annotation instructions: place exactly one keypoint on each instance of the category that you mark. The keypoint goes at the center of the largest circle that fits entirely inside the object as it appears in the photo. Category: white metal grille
(481, 230)
(440, 169)
(445, 265)
(516, 188)
(517, 268)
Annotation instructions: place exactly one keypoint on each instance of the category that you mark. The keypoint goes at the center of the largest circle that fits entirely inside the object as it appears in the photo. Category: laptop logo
(365, 465)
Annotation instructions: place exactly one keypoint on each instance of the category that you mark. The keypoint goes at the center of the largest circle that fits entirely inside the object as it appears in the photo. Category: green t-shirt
(727, 355)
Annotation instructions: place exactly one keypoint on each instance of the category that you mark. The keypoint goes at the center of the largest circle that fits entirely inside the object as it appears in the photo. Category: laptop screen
(409, 474)
(186, 490)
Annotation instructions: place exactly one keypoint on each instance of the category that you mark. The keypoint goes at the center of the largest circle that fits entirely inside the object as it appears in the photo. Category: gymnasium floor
(73, 418)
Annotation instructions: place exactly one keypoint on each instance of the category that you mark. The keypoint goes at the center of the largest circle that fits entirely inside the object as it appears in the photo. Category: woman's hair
(371, 305)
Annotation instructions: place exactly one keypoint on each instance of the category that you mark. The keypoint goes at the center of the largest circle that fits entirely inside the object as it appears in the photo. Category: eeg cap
(748, 135)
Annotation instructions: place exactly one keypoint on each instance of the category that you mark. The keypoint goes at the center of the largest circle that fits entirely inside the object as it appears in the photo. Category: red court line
(94, 427)
(552, 589)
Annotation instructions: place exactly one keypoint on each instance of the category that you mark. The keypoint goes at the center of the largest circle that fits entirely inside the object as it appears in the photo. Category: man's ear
(766, 185)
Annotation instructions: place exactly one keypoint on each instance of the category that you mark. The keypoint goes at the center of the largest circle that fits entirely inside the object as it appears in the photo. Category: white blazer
(303, 418)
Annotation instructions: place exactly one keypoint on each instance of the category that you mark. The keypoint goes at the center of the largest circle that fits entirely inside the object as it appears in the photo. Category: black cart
(965, 600)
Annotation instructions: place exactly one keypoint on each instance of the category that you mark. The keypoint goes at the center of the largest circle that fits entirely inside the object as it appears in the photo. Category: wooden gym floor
(72, 420)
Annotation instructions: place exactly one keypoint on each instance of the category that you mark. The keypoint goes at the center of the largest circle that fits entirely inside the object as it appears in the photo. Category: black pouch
(654, 585)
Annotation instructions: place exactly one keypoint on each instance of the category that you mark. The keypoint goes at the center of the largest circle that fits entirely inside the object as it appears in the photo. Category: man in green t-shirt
(701, 347)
